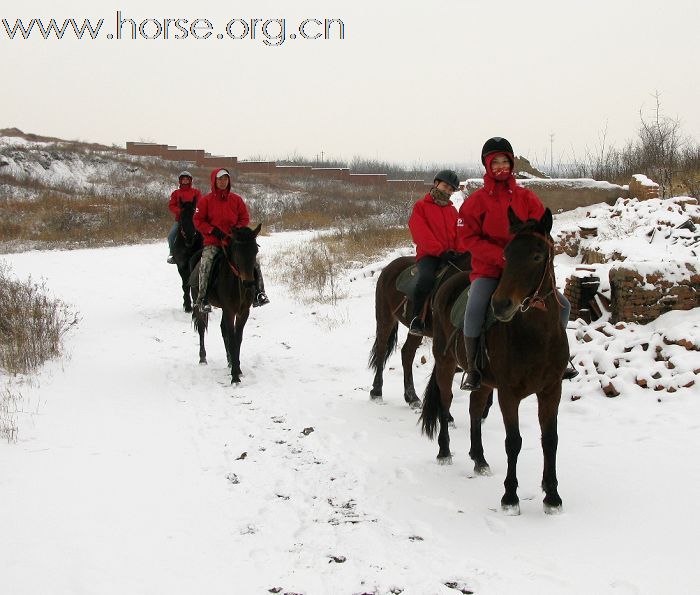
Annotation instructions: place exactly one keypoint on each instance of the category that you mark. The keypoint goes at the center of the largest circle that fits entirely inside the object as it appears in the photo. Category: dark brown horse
(187, 243)
(527, 353)
(389, 311)
(230, 289)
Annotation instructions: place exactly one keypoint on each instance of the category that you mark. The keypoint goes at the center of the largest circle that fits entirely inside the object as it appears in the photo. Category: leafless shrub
(9, 408)
(32, 324)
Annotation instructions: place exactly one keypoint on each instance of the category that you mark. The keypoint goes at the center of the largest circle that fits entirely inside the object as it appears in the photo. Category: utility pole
(322, 158)
(551, 153)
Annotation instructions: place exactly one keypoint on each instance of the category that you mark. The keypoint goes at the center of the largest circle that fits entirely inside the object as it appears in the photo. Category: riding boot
(472, 377)
(570, 371)
(260, 296)
(417, 326)
(205, 263)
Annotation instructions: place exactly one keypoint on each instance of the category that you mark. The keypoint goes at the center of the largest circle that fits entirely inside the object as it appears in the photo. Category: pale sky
(411, 82)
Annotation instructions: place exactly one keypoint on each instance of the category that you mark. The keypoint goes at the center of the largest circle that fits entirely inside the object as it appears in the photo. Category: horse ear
(256, 231)
(512, 217)
(546, 220)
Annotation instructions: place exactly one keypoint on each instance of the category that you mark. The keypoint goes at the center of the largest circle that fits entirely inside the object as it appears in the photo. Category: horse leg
(201, 328)
(185, 276)
(479, 401)
(224, 336)
(510, 504)
(444, 374)
(408, 354)
(235, 340)
(548, 408)
(384, 345)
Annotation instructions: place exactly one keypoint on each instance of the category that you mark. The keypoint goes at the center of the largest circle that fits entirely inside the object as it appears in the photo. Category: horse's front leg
(478, 405)
(235, 340)
(408, 354)
(225, 337)
(185, 276)
(509, 403)
(548, 409)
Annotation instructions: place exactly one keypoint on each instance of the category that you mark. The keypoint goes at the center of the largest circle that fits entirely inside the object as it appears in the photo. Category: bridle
(537, 299)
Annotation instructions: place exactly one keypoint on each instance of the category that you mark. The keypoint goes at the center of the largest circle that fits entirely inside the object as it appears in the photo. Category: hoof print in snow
(278, 419)
(458, 587)
(282, 496)
(249, 530)
(233, 478)
(307, 431)
(416, 538)
(337, 559)
(243, 456)
(275, 590)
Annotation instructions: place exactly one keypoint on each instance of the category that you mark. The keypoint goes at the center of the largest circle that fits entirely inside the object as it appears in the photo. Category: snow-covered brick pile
(645, 251)
(629, 359)
(643, 188)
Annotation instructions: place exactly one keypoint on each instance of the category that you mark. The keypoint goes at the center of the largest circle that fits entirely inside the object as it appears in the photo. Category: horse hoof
(235, 380)
(511, 509)
(416, 404)
(375, 393)
(203, 361)
(553, 508)
(483, 470)
(444, 460)
(376, 398)
(188, 309)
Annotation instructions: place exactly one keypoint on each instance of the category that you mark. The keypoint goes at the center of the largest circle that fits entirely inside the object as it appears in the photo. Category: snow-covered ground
(138, 471)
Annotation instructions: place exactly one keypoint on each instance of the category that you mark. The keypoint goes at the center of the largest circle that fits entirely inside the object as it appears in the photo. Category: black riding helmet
(497, 144)
(447, 176)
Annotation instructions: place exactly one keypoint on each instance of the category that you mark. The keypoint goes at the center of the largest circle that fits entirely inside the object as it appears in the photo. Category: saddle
(213, 273)
(408, 278)
(460, 306)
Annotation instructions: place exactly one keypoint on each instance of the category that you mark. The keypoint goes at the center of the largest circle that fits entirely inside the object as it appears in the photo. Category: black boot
(260, 296)
(472, 377)
(569, 372)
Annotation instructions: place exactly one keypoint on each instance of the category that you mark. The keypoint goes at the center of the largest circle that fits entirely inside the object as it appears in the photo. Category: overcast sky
(411, 82)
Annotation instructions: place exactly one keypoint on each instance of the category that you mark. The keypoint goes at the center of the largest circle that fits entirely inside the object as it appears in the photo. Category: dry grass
(32, 324)
(9, 408)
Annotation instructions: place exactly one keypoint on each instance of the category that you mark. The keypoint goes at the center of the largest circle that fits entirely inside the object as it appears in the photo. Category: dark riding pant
(427, 267)
(172, 234)
(479, 300)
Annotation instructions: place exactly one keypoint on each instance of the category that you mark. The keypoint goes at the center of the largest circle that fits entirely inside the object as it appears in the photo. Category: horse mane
(243, 234)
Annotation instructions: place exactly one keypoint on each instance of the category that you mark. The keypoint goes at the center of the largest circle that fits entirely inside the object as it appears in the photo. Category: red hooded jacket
(485, 218)
(220, 208)
(183, 194)
(433, 228)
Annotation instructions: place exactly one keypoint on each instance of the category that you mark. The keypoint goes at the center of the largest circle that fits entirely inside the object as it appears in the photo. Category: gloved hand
(448, 256)
(218, 234)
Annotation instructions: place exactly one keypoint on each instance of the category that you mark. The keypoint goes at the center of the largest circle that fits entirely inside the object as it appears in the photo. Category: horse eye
(538, 257)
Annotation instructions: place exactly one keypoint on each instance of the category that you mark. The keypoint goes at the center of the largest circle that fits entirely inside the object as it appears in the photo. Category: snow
(644, 181)
(129, 475)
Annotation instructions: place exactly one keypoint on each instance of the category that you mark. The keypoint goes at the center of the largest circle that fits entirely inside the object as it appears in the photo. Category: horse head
(241, 252)
(528, 274)
(187, 229)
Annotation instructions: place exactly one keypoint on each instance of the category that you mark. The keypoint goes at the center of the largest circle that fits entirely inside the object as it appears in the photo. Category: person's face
(185, 181)
(500, 164)
(445, 187)
(222, 182)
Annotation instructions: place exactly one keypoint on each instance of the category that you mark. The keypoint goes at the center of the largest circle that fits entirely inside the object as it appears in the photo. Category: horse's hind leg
(509, 408)
(224, 336)
(479, 401)
(200, 323)
(408, 354)
(384, 344)
(548, 408)
(236, 325)
(444, 374)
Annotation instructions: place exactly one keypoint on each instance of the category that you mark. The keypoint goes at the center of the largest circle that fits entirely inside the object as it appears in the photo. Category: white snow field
(138, 471)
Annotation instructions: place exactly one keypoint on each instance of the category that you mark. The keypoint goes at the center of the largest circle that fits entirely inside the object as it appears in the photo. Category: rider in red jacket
(433, 224)
(185, 193)
(217, 213)
(485, 234)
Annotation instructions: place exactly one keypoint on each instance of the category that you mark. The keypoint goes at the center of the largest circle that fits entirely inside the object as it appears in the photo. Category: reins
(537, 300)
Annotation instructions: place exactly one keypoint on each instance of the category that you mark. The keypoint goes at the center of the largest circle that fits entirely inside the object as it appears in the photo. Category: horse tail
(431, 407)
(376, 362)
(200, 320)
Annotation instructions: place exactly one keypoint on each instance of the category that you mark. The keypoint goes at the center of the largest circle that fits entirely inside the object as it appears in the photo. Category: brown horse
(187, 243)
(527, 352)
(389, 311)
(230, 289)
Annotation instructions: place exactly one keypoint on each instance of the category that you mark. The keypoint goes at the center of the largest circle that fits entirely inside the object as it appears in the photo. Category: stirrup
(261, 299)
(417, 327)
(171, 259)
(204, 306)
(569, 373)
(465, 385)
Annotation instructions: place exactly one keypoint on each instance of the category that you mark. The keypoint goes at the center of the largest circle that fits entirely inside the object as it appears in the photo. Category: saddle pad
(460, 306)
(408, 278)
